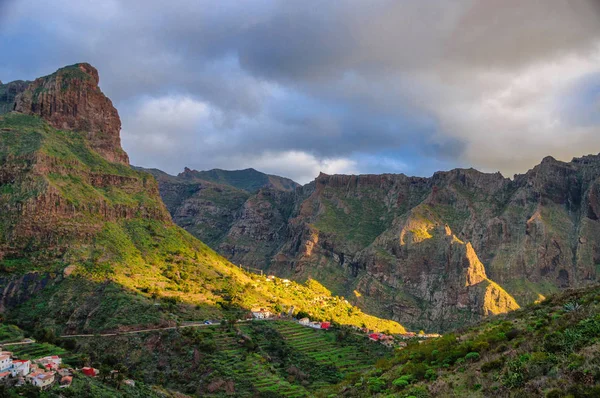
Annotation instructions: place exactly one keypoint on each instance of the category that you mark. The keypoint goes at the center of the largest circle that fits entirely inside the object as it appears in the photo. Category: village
(389, 340)
(44, 373)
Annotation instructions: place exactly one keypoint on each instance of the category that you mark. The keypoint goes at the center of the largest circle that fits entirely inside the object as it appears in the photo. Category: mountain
(86, 244)
(248, 180)
(548, 350)
(205, 203)
(429, 252)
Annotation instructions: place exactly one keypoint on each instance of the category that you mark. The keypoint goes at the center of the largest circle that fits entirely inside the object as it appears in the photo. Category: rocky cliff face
(70, 99)
(431, 252)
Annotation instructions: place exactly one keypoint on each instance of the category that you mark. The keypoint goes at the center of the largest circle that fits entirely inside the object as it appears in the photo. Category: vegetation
(127, 263)
(259, 358)
(548, 349)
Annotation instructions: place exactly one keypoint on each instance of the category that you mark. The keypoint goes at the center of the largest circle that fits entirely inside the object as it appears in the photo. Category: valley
(97, 267)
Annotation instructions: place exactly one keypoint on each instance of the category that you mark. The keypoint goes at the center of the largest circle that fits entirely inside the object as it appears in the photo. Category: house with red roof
(91, 372)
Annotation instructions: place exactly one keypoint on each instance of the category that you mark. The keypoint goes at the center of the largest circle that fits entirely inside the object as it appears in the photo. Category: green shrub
(472, 356)
(375, 384)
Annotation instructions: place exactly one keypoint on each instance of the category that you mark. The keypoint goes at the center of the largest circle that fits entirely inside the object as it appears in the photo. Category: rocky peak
(70, 99)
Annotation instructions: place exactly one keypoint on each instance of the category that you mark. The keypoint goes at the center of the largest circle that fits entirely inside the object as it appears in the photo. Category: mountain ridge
(341, 230)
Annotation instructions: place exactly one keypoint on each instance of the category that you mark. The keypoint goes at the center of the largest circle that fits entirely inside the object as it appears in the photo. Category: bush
(401, 382)
(472, 356)
(375, 384)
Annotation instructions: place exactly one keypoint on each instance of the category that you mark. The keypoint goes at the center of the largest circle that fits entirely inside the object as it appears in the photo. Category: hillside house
(261, 313)
(129, 382)
(50, 362)
(325, 325)
(66, 381)
(20, 367)
(5, 360)
(4, 375)
(41, 379)
(304, 321)
(91, 372)
(315, 325)
(374, 337)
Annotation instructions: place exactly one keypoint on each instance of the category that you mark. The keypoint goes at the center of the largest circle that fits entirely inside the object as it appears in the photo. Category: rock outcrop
(70, 99)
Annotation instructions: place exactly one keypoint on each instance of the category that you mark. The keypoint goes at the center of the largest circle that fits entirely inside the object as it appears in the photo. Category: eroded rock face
(70, 99)
(431, 252)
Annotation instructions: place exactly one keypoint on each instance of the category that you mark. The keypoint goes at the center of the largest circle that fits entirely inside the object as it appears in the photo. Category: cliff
(383, 240)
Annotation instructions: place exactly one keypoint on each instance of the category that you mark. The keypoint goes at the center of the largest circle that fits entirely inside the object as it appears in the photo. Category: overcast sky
(297, 87)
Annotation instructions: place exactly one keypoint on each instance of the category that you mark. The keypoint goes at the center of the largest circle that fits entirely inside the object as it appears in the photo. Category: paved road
(22, 342)
(185, 325)
(189, 325)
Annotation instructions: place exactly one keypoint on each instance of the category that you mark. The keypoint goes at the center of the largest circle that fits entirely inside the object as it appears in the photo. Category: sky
(295, 88)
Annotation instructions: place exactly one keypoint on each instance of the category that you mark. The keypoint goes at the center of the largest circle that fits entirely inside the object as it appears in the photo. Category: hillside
(82, 386)
(86, 243)
(404, 247)
(549, 350)
(259, 358)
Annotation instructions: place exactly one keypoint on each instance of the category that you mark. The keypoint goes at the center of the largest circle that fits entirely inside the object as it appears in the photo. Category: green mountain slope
(86, 243)
(550, 349)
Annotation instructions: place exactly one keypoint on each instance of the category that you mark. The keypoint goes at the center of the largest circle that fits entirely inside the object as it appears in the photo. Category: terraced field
(251, 368)
(39, 350)
(305, 345)
(323, 347)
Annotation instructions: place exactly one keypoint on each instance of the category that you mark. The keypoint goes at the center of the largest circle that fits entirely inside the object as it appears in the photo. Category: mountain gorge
(429, 252)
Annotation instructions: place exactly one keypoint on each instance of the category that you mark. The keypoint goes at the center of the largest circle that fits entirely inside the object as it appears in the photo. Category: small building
(4, 375)
(91, 372)
(286, 281)
(65, 372)
(40, 378)
(374, 336)
(50, 362)
(129, 382)
(65, 381)
(20, 367)
(325, 325)
(261, 313)
(304, 321)
(315, 325)
(5, 360)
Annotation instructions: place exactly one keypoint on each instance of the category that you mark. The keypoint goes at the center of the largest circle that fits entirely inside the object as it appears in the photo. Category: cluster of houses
(42, 372)
(261, 313)
(385, 339)
(314, 325)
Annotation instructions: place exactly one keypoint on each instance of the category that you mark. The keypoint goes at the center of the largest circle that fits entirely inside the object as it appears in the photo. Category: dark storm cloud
(345, 86)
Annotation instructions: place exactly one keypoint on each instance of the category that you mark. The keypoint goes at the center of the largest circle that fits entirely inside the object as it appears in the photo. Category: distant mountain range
(429, 252)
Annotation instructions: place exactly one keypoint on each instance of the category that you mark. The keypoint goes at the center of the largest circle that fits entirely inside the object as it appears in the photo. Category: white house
(261, 313)
(315, 325)
(20, 367)
(40, 378)
(5, 360)
(304, 321)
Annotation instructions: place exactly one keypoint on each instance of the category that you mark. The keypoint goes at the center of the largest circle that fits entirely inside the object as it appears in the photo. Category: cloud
(388, 86)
